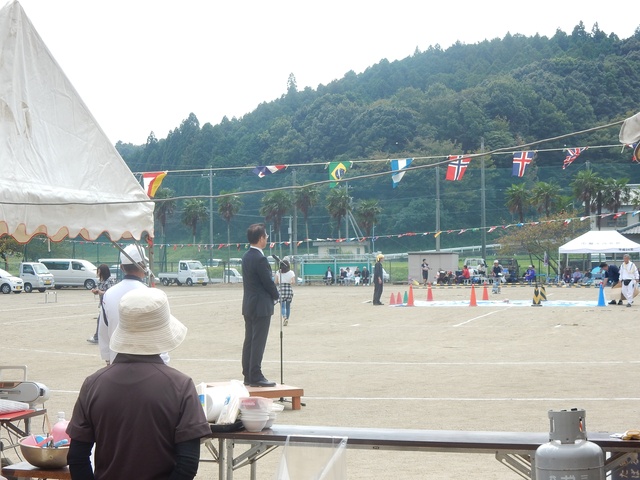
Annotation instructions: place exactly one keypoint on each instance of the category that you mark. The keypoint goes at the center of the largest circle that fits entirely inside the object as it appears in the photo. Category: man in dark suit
(260, 294)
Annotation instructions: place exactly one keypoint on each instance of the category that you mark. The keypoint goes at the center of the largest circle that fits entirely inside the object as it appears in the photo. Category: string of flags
(456, 167)
(436, 234)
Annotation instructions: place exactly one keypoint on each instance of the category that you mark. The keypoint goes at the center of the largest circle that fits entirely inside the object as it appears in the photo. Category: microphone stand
(278, 265)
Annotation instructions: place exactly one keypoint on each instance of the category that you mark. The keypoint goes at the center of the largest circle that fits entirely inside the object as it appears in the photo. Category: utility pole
(210, 175)
(294, 240)
(483, 204)
(437, 207)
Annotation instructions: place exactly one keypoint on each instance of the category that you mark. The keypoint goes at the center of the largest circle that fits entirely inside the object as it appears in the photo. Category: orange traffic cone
(485, 292)
(410, 300)
(399, 299)
(392, 300)
(429, 293)
(472, 302)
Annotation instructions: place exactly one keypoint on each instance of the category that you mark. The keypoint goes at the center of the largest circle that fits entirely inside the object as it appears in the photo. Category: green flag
(337, 170)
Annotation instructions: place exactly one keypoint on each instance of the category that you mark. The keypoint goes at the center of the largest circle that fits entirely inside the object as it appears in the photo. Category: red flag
(456, 168)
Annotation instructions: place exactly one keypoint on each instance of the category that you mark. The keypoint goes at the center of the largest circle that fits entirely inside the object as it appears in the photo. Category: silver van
(71, 272)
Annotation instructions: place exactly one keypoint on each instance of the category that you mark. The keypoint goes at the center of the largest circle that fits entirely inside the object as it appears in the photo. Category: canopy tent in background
(61, 176)
(600, 241)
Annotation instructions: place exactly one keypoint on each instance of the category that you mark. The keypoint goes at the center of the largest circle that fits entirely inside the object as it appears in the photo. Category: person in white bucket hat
(134, 264)
(144, 417)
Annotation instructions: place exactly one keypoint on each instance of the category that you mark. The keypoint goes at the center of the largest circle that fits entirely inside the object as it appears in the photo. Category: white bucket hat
(146, 325)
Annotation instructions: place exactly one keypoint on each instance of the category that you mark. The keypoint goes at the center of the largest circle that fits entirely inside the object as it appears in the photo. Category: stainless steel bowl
(45, 457)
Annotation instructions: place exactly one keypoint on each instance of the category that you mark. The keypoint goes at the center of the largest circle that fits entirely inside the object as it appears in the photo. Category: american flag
(572, 154)
(456, 168)
(520, 162)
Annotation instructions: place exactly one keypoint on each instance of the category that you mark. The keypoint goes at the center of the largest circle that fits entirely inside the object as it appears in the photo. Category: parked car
(71, 272)
(10, 283)
(35, 276)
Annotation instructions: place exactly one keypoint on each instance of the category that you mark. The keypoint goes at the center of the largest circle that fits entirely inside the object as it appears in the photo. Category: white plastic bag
(313, 461)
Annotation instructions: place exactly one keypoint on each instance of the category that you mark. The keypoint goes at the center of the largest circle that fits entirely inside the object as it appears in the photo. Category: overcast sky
(144, 65)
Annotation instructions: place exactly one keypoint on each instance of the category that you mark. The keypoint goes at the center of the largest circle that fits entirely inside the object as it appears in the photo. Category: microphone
(277, 259)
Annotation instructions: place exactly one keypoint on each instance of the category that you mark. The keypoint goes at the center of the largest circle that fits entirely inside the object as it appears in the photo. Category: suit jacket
(260, 292)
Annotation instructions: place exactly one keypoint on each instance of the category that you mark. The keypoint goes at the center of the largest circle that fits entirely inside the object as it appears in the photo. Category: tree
(517, 199)
(275, 205)
(194, 213)
(161, 211)
(8, 246)
(338, 205)
(545, 197)
(585, 187)
(305, 198)
(228, 206)
(538, 238)
(367, 212)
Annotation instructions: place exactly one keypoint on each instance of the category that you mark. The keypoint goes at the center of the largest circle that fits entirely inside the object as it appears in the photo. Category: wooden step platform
(279, 391)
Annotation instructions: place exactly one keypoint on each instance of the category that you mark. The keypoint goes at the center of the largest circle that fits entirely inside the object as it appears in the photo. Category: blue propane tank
(569, 455)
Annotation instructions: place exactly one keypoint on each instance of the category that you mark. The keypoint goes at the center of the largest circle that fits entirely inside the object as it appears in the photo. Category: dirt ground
(498, 367)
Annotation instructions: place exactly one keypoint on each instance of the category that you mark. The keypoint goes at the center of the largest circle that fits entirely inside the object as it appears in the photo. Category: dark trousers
(256, 330)
(377, 292)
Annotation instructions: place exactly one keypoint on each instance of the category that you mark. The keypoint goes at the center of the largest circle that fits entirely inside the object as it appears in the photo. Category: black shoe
(612, 302)
(263, 383)
(619, 302)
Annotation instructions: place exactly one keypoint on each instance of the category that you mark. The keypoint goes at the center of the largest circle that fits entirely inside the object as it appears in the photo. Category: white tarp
(600, 241)
(59, 173)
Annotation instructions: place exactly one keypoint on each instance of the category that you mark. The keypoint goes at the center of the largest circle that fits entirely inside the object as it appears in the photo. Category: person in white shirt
(628, 278)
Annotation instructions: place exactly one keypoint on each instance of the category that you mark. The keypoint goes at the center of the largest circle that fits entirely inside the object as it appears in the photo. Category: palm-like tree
(275, 205)
(338, 204)
(517, 199)
(194, 213)
(161, 211)
(545, 197)
(585, 188)
(617, 193)
(228, 206)
(305, 198)
(367, 212)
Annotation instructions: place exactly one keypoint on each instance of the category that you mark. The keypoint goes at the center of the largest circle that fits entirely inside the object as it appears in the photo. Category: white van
(71, 272)
(35, 276)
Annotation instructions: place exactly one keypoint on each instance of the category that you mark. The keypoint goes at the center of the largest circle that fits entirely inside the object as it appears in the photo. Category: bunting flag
(337, 170)
(151, 182)
(521, 161)
(572, 154)
(457, 167)
(397, 166)
(263, 171)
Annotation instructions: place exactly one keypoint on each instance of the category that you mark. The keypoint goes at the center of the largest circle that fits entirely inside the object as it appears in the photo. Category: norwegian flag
(457, 167)
(572, 154)
(521, 161)
(263, 171)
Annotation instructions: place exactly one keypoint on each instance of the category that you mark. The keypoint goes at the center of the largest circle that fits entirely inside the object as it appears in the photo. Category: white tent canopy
(61, 176)
(602, 241)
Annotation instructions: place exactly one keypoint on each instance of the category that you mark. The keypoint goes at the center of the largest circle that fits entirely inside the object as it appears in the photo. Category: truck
(189, 272)
(35, 276)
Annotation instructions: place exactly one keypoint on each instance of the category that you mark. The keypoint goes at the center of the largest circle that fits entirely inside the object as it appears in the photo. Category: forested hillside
(496, 94)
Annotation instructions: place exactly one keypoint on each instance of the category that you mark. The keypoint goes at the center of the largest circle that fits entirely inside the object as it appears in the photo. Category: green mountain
(495, 94)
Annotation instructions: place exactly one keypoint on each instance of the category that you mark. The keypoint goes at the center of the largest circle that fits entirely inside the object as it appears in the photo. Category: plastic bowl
(253, 425)
(272, 418)
(44, 457)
